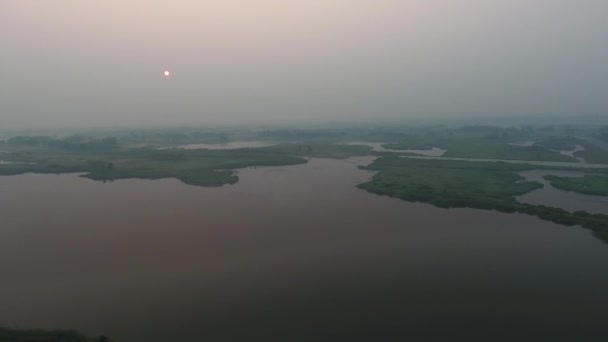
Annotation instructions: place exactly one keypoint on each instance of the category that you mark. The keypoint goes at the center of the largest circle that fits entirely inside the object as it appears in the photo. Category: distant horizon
(539, 120)
(72, 63)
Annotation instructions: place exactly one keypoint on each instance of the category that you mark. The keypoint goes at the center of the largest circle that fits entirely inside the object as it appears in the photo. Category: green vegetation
(12, 335)
(497, 150)
(461, 184)
(193, 135)
(486, 142)
(449, 184)
(194, 167)
(557, 143)
(319, 150)
(592, 153)
(490, 142)
(75, 143)
(338, 134)
(178, 136)
(588, 185)
(106, 159)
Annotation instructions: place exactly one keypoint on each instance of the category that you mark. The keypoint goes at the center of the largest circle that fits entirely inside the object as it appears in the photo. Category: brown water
(288, 254)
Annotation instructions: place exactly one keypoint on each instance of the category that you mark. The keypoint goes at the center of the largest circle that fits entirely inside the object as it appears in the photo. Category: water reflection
(292, 253)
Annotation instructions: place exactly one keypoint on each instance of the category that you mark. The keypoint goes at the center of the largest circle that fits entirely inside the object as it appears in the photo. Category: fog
(75, 63)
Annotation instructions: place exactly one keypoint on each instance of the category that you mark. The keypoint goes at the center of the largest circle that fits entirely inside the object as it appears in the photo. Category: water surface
(291, 253)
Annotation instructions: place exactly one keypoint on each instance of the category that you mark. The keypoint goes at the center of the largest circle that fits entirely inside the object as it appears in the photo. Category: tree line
(74, 143)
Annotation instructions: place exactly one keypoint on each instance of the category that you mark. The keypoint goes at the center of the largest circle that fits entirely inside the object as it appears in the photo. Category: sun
(167, 73)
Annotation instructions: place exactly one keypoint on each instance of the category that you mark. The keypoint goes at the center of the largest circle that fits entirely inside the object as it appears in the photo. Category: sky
(89, 62)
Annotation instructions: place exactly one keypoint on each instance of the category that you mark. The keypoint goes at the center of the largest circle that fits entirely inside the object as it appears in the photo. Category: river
(567, 200)
(294, 253)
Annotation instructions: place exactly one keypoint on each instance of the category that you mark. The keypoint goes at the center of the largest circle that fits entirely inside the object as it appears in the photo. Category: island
(466, 184)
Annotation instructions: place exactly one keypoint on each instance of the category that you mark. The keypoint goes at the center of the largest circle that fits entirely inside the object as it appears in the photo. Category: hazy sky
(101, 62)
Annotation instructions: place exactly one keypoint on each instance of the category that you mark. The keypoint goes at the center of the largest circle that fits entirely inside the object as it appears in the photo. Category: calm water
(433, 152)
(288, 254)
(566, 200)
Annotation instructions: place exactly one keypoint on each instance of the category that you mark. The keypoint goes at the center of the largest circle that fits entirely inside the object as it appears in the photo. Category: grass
(460, 184)
(589, 184)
